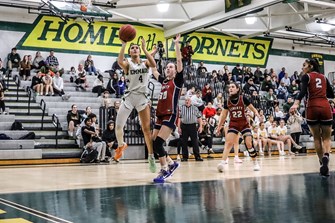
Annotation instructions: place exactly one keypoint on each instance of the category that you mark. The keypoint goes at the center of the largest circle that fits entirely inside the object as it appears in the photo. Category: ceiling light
(250, 20)
(163, 7)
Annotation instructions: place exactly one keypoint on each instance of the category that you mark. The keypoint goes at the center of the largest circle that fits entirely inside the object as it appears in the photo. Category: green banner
(319, 57)
(235, 4)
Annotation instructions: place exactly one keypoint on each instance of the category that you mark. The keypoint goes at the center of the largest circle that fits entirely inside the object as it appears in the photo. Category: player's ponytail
(314, 64)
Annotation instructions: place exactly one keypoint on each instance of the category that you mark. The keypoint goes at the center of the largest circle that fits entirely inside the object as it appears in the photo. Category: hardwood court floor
(287, 189)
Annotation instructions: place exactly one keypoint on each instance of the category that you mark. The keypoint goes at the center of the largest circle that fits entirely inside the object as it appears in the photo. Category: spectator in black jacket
(13, 60)
(108, 136)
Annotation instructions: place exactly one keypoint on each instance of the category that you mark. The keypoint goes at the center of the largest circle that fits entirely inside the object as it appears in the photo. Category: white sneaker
(226, 161)
(237, 160)
(178, 158)
(257, 167)
(246, 153)
(221, 166)
(282, 153)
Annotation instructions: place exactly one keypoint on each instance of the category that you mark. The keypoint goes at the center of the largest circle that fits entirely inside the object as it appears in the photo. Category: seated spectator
(247, 75)
(295, 76)
(209, 111)
(2, 99)
(122, 86)
(274, 82)
(52, 61)
(116, 69)
(38, 61)
(190, 92)
(286, 80)
(214, 77)
(58, 86)
(106, 100)
(255, 100)
(81, 80)
(202, 70)
(113, 85)
(25, 68)
(47, 84)
(285, 138)
(98, 85)
(86, 114)
(271, 98)
(2, 75)
(288, 105)
(13, 60)
(89, 66)
(206, 137)
(265, 140)
(218, 99)
(207, 93)
(250, 87)
(258, 76)
(269, 121)
(37, 83)
(273, 134)
(293, 89)
(281, 74)
(282, 91)
(260, 119)
(266, 84)
(73, 120)
(113, 111)
(109, 137)
(73, 74)
(197, 101)
(278, 114)
(92, 141)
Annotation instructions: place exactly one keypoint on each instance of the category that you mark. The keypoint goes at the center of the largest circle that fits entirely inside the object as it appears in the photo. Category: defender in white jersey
(137, 73)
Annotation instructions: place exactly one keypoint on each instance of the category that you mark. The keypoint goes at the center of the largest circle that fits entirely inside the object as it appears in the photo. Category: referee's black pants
(190, 130)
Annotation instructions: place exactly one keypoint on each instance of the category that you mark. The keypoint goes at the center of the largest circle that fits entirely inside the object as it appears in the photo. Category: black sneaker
(324, 170)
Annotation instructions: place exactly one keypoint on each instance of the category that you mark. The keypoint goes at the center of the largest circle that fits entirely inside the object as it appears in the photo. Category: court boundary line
(34, 212)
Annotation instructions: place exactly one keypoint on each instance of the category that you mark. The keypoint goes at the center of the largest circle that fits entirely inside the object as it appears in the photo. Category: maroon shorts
(319, 115)
(237, 127)
(168, 120)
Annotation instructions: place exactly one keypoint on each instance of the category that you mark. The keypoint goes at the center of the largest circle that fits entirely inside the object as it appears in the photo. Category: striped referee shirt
(189, 115)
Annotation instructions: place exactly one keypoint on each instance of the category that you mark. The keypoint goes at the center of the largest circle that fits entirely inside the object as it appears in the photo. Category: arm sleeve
(246, 101)
(179, 79)
(330, 92)
(160, 79)
(225, 104)
(304, 85)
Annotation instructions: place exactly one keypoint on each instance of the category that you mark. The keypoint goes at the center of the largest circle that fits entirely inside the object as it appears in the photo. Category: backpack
(17, 126)
(3, 136)
(30, 135)
(89, 156)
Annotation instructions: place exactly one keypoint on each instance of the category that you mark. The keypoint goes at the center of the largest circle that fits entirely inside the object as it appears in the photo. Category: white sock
(151, 156)
(165, 167)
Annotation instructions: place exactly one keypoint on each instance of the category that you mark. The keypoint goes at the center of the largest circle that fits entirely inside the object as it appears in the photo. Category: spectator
(52, 61)
(281, 74)
(58, 85)
(186, 53)
(282, 91)
(255, 100)
(122, 86)
(13, 60)
(250, 87)
(288, 105)
(197, 101)
(190, 92)
(73, 120)
(116, 69)
(295, 76)
(286, 80)
(274, 82)
(261, 118)
(207, 93)
(89, 66)
(106, 100)
(113, 85)
(108, 136)
(47, 84)
(73, 74)
(258, 76)
(274, 136)
(2, 100)
(209, 111)
(271, 98)
(37, 84)
(86, 114)
(81, 80)
(114, 110)
(2, 75)
(159, 56)
(25, 68)
(248, 74)
(206, 137)
(293, 89)
(98, 85)
(294, 122)
(278, 115)
(202, 70)
(266, 84)
(38, 61)
(218, 99)
(286, 139)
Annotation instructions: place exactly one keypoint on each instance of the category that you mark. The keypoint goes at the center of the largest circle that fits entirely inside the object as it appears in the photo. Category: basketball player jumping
(235, 106)
(137, 73)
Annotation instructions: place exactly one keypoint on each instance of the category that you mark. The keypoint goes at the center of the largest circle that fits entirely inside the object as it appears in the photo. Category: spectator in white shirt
(197, 101)
(273, 135)
(285, 138)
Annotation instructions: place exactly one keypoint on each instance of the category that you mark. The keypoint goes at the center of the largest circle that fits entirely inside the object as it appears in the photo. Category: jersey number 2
(318, 83)
(237, 114)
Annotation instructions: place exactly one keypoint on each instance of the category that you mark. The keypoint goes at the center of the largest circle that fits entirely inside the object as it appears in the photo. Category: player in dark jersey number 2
(235, 106)
(316, 87)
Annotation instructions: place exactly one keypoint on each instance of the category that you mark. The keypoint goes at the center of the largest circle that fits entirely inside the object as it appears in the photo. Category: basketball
(127, 33)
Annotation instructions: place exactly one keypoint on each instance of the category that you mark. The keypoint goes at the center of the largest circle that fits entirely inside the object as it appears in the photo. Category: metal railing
(18, 83)
(43, 106)
(30, 93)
(55, 122)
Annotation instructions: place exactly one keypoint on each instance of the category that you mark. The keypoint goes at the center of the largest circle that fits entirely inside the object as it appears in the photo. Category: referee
(189, 117)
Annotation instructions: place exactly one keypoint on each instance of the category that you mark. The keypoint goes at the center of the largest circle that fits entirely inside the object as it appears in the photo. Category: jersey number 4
(140, 78)
(237, 114)
(318, 83)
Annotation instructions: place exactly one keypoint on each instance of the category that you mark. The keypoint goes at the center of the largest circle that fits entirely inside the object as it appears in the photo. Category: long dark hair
(314, 64)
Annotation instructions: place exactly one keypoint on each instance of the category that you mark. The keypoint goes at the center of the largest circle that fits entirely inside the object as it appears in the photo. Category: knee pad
(252, 151)
(158, 146)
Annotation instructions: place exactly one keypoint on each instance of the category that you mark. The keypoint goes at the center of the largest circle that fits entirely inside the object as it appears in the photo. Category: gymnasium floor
(287, 189)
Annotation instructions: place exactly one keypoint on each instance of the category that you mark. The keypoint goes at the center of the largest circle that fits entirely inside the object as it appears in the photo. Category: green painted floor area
(290, 198)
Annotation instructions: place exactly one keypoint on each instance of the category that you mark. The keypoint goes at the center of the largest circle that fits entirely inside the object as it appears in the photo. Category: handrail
(55, 122)
(30, 92)
(18, 83)
(43, 110)
(151, 87)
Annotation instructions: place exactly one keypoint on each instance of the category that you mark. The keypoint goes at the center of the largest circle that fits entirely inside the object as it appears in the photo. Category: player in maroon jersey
(167, 112)
(235, 106)
(317, 89)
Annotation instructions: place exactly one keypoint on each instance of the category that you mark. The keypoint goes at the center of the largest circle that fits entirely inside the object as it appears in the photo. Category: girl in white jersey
(137, 73)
